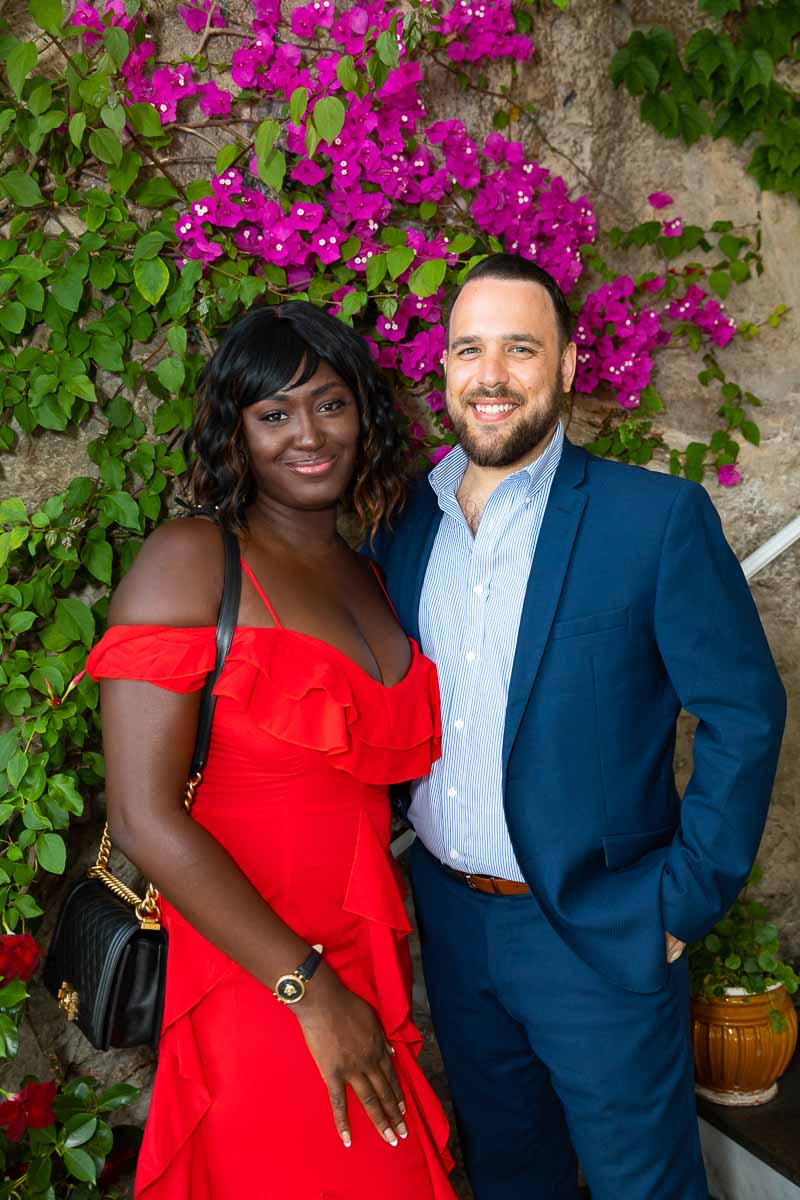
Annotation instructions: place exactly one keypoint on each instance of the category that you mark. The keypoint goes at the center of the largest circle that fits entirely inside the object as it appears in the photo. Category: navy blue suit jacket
(635, 608)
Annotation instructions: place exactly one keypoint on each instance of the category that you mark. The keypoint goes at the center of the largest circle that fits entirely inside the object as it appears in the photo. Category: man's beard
(528, 428)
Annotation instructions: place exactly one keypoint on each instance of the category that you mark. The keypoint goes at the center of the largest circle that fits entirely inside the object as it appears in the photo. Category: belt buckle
(472, 886)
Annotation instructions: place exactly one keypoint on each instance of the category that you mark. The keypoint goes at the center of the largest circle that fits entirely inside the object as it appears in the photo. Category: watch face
(290, 989)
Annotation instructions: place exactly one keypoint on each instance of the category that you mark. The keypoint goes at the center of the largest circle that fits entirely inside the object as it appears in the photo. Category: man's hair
(513, 268)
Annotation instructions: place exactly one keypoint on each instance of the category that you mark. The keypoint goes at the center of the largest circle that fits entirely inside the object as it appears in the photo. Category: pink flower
(659, 200)
(673, 228)
(435, 456)
(728, 475)
(213, 101)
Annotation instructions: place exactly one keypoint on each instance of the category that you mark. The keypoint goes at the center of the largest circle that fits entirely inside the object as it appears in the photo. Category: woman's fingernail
(346, 1139)
(402, 1107)
(401, 1129)
(390, 1136)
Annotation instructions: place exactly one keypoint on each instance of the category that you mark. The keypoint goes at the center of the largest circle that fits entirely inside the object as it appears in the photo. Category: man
(573, 606)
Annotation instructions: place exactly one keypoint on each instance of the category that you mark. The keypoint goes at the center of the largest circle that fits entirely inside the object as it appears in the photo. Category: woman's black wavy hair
(260, 355)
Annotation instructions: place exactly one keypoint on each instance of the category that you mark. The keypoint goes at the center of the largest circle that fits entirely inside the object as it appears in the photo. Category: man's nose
(492, 368)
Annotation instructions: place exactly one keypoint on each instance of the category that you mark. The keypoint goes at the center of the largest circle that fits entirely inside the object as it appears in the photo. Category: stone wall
(598, 143)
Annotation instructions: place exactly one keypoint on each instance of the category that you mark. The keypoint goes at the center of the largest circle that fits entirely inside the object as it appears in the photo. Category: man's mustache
(502, 392)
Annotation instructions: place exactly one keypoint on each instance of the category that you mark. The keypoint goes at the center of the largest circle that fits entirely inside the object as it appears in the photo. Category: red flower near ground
(31, 1109)
(19, 955)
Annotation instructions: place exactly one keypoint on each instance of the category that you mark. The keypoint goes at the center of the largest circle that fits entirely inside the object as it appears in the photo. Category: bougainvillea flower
(672, 228)
(659, 200)
(729, 475)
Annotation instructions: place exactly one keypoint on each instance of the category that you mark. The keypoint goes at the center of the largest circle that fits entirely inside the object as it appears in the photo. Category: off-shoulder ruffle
(297, 689)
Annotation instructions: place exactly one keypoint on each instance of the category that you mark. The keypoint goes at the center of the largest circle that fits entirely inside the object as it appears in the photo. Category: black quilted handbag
(106, 964)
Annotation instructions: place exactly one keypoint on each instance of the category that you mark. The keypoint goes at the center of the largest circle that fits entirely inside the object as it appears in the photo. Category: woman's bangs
(272, 357)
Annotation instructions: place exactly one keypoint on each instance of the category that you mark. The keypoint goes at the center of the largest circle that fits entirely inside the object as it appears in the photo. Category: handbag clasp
(68, 1000)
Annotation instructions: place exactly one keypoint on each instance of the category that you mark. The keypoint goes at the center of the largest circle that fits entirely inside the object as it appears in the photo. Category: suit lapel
(560, 525)
(421, 543)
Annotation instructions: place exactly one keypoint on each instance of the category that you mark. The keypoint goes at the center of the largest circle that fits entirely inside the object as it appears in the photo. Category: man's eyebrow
(470, 339)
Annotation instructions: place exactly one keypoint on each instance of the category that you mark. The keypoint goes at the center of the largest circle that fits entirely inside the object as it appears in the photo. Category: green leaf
(22, 189)
(399, 259)
(155, 193)
(16, 768)
(265, 137)
(225, 157)
(13, 511)
(376, 270)
(13, 993)
(151, 278)
(712, 943)
(751, 432)
(98, 557)
(176, 339)
(19, 64)
(346, 73)
(80, 1165)
(9, 743)
(47, 14)
(144, 119)
(171, 374)
(51, 854)
(27, 906)
(388, 48)
(720, 282)
(428, 278)
(117, 44)
(328, 118)
(298, 105)
(121, 177)
(117, 1096)
(273, 170)
(77, 618)
(77, 127)
(12, 316)
(121, 508)
(62, 788)
(79, 1129)
(149, 245)
(733, 962)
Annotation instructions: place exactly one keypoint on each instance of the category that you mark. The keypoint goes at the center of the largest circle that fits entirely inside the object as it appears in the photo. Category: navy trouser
(548, 1062)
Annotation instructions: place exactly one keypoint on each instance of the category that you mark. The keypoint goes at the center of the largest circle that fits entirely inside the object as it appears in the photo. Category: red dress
(303, 747)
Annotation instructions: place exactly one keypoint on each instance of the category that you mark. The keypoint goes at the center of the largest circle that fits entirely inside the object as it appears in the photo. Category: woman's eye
(332, 405)
(273, 417)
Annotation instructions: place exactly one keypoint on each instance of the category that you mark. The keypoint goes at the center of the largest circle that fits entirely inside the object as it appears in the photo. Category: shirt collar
(445, 479)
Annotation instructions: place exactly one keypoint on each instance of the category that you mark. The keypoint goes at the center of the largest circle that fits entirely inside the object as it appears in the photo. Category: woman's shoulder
(176, 578)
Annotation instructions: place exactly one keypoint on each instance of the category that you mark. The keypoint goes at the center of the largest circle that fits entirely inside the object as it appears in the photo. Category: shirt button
(451, 793)
(470, 656)
(459, 724)
(478, 589)
(454, 854)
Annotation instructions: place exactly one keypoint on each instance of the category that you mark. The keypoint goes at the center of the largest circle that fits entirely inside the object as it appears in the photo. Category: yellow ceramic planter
(738, 1057)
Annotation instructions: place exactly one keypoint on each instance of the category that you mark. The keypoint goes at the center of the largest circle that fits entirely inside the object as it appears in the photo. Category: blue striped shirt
(469, 612)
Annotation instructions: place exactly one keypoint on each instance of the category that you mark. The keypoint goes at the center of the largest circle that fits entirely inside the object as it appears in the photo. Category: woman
(322, 703)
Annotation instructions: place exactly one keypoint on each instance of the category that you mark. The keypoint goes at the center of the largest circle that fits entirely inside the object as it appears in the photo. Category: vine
(724, 84)
(144, 205)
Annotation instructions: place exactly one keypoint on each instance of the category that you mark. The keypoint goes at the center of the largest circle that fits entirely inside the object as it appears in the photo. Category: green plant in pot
(744, 1025)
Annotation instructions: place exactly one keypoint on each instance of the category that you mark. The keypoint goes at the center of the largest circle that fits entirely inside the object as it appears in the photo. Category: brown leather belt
(490, 885)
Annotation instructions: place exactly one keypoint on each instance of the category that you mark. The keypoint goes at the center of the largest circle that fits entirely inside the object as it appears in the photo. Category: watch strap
(309, 965)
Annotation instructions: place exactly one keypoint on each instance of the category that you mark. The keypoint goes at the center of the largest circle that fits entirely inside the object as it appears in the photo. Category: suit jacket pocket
(624, 849)
(612, 618)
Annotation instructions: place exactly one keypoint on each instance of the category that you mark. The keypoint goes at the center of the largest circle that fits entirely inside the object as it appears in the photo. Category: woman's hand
(348, 1045)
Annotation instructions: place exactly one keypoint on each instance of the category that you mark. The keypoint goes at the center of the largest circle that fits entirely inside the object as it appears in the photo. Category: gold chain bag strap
(106, 963)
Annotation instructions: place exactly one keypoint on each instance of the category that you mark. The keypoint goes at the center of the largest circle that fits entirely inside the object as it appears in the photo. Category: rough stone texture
(595, 139)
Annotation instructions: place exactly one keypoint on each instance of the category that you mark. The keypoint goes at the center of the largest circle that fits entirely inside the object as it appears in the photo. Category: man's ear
(569, 361)
(444, 360)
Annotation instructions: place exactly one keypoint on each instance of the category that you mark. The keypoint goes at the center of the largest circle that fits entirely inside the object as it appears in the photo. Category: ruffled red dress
(303, 747)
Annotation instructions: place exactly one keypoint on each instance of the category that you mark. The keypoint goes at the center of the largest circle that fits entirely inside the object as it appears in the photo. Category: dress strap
(261, 593)
(377, 573)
